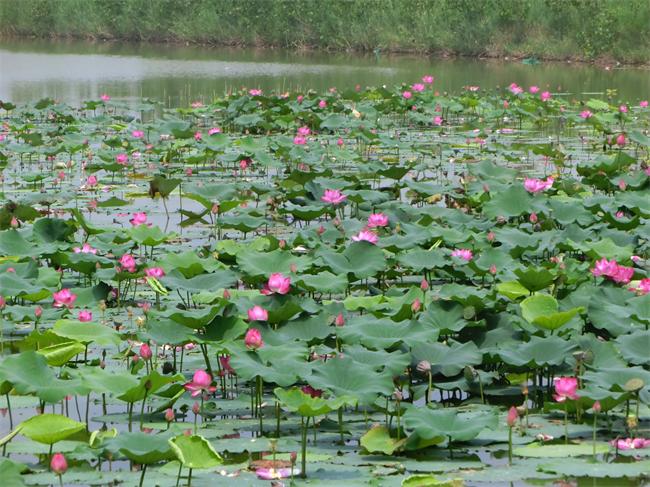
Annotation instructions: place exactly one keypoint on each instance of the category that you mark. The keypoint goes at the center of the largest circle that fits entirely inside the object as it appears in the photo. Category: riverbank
(600, 31)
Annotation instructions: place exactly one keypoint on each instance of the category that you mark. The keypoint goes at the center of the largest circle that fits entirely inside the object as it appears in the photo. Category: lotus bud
(415, 307)
(596, 407)
(397, 395)
(38, 312)
(3, 302)
(196, 408)
(470, 373)
(533, 217)
(58, 464)
(293, 268)
(339, 320)
(490, 237)
(14, 222)
(169, 415)
(424, 284)
(145, 351)
(512, 416)
(424, 367)
(226, 294)
(215, 209)
(282, 243)
(293, 456)
(632, 422)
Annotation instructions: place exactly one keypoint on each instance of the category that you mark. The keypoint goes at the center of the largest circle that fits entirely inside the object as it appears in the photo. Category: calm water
(74, 71)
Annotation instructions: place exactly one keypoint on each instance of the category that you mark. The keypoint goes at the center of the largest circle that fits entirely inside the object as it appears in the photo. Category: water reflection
(73, 71)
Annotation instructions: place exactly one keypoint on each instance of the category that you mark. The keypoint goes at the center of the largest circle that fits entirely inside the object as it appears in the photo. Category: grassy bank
(548, 29)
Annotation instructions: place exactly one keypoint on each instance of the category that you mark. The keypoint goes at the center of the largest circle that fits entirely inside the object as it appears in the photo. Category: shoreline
(606, 62)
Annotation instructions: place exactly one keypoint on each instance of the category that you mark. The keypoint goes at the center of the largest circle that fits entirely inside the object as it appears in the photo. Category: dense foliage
(381, 284)
(555, 29)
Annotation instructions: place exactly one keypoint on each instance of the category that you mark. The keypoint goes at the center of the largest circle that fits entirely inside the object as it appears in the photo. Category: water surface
(74, 71)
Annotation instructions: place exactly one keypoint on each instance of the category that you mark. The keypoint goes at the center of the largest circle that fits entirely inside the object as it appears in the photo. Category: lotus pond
(381, 286)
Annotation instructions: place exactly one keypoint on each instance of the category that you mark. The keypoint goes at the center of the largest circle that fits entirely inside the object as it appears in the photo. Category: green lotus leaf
(305, 405)
(378, 440)
(364, 385)
(59, 354)
(542, 310)
(539, 450)
(49, 428)
(142, 448)
(444, 423)
(195, 452)
(448, 360)
(86, 332)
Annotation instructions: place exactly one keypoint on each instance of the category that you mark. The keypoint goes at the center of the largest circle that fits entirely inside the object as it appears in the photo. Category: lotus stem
(144, 471)
(594, 436)
(566, 423)
(510, 446)
(305, 425)
(144, 400)
(342, 441)
(178, 476)
(11, 418)
(189, 478)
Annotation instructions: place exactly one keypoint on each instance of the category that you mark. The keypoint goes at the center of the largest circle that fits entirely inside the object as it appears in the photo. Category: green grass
(578, 29)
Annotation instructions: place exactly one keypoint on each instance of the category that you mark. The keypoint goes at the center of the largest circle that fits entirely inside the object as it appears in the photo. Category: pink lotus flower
(377, 220)
(613, 271)
(121, 159)
(310, 391)
(322, 104)
(156, 272)
(304, 131)
(278, 284)
(84, 249)
(128, 262)
(622, 109)
(417, 87)
(407, 94)
(515, 89)
(473, 88)
(139, 218)
(643, 287)
(138, 134)
(512, 416)
(224, 361)
(299, 140)
(85, 316)
(339, 320)
(214, 130)
(64, 298)
(366, 236)
(533, 185)
(170, 415)
(300, 98)
(38, 312)
(201, 381)
(91, 182)
(264, 473)
(620, 140)
(145, 352)
(104, 97)
(339, 142)
(545, 96)
(196, 104)
(643, 104)
(257, 313)
(333, 196)
(428, 79)
(631, 443)
(464, 254)
(58, 464)
(253, 339)
(255, 92)
(586, 114)
(437, 120)
(565, 388)
(533, 89)
(198, 136)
